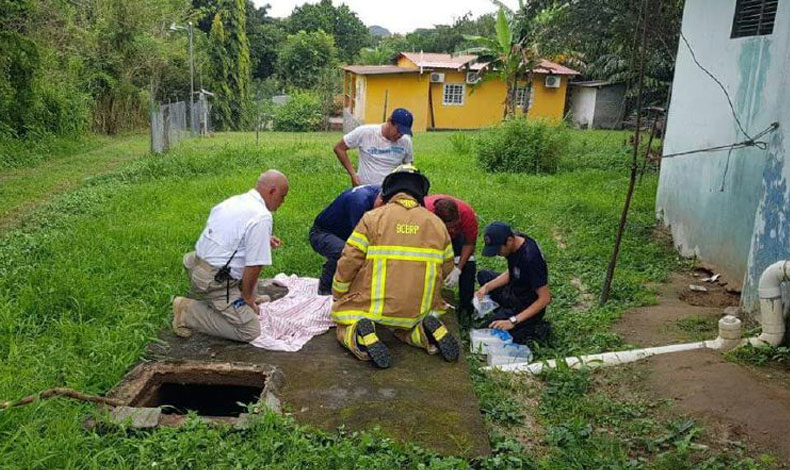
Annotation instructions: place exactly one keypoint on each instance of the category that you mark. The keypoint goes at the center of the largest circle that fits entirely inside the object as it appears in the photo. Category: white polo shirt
(240, 222)
(378, 156)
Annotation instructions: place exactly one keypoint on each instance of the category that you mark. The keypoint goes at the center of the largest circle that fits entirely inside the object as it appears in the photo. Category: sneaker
(437, 333)
(179, 310)
(368, 341)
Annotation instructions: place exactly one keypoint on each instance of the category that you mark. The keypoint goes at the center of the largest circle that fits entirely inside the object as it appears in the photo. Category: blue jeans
(330, 246)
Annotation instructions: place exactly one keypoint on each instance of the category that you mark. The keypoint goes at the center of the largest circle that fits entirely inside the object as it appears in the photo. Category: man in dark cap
(522, 291)
(382, 148)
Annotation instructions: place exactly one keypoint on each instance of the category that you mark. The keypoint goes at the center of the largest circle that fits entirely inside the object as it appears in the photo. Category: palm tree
(514, 52)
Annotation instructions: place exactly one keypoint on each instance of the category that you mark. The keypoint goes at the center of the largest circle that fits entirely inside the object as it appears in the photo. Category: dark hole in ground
(205, 392)
(206, 400)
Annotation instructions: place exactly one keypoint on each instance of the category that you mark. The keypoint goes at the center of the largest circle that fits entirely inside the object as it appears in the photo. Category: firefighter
(391, 273)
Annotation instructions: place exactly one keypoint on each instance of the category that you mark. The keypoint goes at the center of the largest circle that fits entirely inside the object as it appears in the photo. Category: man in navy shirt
(522, 291)
(334, 225)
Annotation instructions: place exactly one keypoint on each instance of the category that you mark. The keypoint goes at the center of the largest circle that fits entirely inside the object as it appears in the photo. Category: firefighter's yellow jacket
(393, 266)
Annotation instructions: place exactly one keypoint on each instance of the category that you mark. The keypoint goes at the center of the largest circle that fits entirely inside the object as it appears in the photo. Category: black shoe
(375, 348)
(446, 342)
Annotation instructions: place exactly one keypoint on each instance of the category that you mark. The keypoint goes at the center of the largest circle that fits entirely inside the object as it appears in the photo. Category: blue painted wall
(732, 214)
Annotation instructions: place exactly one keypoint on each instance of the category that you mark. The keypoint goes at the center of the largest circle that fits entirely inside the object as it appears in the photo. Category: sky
(398, 16)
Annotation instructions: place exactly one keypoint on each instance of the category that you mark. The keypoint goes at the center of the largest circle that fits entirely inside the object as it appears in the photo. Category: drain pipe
(771, 305)
(729, 338)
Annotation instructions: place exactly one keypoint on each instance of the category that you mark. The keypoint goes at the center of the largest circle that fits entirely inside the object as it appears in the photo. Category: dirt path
(23, 190)
(739, 403)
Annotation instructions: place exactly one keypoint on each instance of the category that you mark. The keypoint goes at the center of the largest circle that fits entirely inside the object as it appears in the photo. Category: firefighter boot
(437, 333)
(368, 341)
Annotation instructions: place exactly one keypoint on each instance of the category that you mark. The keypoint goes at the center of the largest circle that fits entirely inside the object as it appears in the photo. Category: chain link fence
(168, 125)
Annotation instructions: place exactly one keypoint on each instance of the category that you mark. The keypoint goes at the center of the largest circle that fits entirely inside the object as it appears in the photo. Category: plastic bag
(483, 306)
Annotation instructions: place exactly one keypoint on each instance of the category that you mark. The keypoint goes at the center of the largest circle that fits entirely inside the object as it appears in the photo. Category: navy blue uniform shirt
(528, 272)
(343, 214)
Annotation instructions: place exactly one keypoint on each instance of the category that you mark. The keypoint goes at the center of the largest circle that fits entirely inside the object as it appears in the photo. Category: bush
(521, 145)
(462, 143)
(301, 113)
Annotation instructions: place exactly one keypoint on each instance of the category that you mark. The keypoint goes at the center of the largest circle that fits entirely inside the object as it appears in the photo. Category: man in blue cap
(522, 291)
(382, 148)
(334, 225)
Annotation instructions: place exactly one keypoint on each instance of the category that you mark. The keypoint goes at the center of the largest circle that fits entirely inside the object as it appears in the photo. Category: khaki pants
(347, 336)
(213, 312)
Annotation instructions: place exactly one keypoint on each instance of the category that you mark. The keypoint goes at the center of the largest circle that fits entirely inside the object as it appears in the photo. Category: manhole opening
(204, 392)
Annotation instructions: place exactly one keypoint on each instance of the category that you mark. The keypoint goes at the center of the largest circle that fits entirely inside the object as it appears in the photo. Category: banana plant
(515, 51)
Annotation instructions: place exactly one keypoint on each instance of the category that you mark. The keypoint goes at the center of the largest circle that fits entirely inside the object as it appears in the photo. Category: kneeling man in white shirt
(226, 264)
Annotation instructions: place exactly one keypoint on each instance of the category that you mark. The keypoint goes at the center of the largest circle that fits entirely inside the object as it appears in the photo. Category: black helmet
(405, 179)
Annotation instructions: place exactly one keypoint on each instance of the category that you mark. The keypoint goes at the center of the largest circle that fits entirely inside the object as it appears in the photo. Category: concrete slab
(420, 399)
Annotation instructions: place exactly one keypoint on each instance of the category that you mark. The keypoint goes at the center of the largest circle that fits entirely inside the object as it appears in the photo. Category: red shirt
(468, 222)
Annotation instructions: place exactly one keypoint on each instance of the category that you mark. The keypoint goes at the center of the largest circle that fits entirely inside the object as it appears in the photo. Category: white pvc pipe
(729, 337)
(771, 306)
(603, 359)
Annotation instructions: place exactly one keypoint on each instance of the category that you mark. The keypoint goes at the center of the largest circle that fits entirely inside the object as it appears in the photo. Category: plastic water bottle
(511, 353)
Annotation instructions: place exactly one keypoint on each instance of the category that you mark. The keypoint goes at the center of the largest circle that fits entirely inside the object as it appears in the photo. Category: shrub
(462, 143)
(301, 113)
(522, 146)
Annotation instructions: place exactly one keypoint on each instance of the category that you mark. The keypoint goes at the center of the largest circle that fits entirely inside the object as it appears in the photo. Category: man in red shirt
(461, 222)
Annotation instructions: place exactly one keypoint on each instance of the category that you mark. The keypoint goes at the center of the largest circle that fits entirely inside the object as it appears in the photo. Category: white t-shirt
(377, 155)
(240, 222)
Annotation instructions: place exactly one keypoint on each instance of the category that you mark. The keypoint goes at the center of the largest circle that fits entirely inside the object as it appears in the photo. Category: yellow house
(443, 91)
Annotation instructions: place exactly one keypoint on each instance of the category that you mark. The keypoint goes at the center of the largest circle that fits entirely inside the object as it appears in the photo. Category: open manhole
(163, 393)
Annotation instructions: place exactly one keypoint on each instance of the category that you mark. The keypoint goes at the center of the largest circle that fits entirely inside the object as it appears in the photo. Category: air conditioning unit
(472, 77)
(437, 77)
(553, 81)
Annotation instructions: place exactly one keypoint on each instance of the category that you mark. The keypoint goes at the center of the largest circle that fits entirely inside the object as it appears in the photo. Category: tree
(597, 37)
(349, 33)
(380, 55)
(514, 51)
(304, 56)
(230, 54)
(265, 34)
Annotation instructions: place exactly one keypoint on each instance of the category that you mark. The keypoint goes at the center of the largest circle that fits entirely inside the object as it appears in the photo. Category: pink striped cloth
(289, 323)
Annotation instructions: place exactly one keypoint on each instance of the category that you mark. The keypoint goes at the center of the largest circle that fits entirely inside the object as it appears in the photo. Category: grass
(56, 166)
(86, 280)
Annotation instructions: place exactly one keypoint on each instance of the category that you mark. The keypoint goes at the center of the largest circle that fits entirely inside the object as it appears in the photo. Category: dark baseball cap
(403, 119)
(495, 236)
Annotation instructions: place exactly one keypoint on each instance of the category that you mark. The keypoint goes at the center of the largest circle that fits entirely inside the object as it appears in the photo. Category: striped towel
(289, 323)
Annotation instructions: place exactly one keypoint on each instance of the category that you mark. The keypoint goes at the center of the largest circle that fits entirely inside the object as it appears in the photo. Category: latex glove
(452, 279)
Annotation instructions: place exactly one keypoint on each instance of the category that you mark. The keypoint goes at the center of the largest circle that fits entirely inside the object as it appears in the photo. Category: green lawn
(86, 281)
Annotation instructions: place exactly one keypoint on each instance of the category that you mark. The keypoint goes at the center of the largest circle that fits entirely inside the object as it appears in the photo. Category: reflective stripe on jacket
(393, 266)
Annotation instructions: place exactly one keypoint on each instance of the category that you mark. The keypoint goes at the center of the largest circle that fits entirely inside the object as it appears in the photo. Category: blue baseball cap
(495, 235)
(403, 119)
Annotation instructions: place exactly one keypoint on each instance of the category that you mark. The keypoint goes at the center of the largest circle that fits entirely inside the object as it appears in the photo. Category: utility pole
(191, 83)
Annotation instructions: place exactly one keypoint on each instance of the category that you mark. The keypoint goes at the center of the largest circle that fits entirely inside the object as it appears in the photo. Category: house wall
(609, 107)
(402, 90)
(583, 106)
(549, 102)
(737, 222)
(483, 105)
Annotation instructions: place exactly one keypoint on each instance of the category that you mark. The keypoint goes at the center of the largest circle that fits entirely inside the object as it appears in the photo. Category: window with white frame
(454, 94)
(525, 96)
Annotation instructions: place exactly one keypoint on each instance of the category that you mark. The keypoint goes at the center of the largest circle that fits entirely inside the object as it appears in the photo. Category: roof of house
(378, 69)
(438, 61)
(430, 60)
(449, 61)
(595, 83)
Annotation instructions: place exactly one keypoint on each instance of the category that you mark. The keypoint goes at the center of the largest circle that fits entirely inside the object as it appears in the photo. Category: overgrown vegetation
(761, 355)
(302, 112)
(86, 281)
(520, 145)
